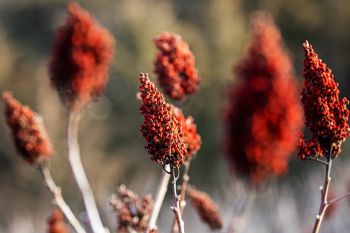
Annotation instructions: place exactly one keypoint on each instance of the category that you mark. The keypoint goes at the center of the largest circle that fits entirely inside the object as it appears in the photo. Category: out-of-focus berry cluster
(175, 66)
(80, 58)
(56, 223)
(263, 116)
(206, 208)
(28, 131)
(133, 212)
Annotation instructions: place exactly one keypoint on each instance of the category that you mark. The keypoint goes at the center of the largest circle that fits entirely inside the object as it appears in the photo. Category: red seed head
(263, 115)
(160, 128)
(175, 66)
(191, 138)
(28, 131)
(206, 208)
(56, 223)
(80, 59)
(326, 115)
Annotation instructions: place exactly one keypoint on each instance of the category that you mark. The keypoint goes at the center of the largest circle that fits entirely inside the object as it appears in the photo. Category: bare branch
(80, 176)
(58, 199)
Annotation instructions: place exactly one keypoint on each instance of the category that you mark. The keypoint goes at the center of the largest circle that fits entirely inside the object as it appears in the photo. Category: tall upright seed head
(326, 115)
(160, 128)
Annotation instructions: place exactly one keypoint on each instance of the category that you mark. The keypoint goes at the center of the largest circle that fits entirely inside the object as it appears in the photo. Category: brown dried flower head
(28, 131)
(80, 59)
(191, 138)
(133, 212)
(160, 128)
(206, 208)
(56, 223)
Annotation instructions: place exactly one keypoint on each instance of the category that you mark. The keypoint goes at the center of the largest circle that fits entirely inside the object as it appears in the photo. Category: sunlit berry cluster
(80, 59)
(175, 66)
(263, 115)
(191, 138)
(326, 115)
(160, 128)
(28, 131)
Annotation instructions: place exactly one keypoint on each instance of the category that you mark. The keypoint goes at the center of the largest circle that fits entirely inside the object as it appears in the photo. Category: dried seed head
(175, 66)
(28, 131)
(80, 59)
(160, 128)
(206, 208)
(133, 213)
(56, 223)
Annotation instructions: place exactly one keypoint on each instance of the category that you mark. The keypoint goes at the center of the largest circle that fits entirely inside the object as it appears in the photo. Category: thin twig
(331, 202)
(176, 207)
(185, 180)
(162, 189)
(58, 199)
(80, 176)
(318, 161)
(324, 195)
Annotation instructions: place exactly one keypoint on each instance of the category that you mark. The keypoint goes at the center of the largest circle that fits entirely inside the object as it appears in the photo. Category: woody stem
(185, 180)
(176, 207)
(324, 195)
(80, 176)
(162, 189)
(58, 199)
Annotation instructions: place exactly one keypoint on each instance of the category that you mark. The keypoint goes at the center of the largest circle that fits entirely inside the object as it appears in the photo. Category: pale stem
(162, 189)
(58, 199)
(185, 180)
(80, 176)
(176, 207)
(331, 202)
(324, 195)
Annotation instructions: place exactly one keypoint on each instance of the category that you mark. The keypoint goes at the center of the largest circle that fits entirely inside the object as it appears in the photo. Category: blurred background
(111, 144)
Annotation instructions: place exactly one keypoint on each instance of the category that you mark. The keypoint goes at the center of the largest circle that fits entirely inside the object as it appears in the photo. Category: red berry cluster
(206, 208)
(326, 114)
(56, 223)
(80, 58)
(160, 128)
(263, 116)
(175, 66)
(191, 138)
(28, 131)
